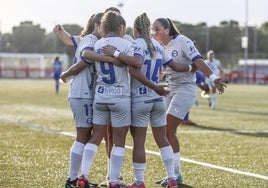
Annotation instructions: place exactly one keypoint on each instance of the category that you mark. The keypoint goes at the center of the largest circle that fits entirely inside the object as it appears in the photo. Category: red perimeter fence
(25, 72)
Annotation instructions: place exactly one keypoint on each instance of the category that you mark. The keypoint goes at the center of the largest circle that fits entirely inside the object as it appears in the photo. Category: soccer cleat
(160, 180)
(164, 181)
(136, 185)
(117, 185)
(84, 183)
(70, 184)
(172, 184)
(179, 179)
(105, 183)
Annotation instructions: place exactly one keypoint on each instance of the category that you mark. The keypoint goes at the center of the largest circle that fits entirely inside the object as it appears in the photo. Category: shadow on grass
(185, 186)
(233, 131)
(243, 112)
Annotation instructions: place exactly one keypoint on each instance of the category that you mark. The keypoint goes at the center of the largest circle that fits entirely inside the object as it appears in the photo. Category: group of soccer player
(115, 88)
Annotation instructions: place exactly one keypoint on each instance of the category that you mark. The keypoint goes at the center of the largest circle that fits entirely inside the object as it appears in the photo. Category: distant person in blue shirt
(200, 82)
(57, 72)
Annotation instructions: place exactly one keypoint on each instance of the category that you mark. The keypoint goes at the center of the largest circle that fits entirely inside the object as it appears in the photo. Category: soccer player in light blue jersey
(147, 105)
(216, 68)
(182, 86)
(111, 100)
(81, 91)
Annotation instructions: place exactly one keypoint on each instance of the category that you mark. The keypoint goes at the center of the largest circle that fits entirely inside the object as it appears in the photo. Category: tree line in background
(224, 40)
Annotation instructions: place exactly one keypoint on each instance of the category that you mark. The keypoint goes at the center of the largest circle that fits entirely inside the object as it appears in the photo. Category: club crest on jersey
(174, 53)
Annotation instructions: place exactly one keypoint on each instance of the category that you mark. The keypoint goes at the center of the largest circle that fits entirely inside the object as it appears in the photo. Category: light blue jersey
(147, 106)
(215, 66)
(112, 94)
(151, 68)
(113, 81)
(82, 83)
(182, 50)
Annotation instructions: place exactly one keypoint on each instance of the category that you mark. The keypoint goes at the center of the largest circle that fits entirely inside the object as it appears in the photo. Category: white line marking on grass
(225, 169)
(147, 151)
(219, 132)
(37, 127)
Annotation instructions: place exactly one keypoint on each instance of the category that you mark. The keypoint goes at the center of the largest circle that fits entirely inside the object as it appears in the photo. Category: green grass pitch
(228, 147)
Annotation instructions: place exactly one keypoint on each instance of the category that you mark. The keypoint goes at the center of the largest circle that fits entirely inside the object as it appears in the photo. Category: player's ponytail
(173, 29)
(89, 28)
(168, 24)
(142, 24)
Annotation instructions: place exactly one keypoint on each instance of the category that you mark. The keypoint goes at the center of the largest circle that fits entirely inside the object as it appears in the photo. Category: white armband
(116, 54)
(190, 68)
(212, 77)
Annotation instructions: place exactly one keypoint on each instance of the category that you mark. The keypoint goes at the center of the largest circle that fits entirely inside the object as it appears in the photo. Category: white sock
(168, 160)
(177, 163)
(75, 159)
(213, 99)
(89, 154)
(139, 171)
(117, 157)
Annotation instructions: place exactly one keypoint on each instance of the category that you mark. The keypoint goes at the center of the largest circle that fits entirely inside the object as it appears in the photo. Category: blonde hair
(142, 24)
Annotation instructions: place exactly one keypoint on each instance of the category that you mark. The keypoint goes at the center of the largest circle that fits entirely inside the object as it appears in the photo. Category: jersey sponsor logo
(142, 90)
(191, 48)
(110, 90)
(174, 53)
(137, 50)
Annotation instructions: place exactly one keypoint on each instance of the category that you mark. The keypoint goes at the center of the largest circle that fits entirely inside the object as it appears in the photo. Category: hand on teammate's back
(108, 50)
(161, 90)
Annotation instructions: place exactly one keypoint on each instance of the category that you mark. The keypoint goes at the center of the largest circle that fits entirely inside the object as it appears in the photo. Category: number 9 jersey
(113, 81)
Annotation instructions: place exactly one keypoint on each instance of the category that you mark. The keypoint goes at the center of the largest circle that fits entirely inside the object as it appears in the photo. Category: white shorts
(115, 111)
(82, 112)
(153, 111)
(179, 103)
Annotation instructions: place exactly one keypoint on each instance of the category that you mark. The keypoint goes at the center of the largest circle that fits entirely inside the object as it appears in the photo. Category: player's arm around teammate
(88, 57)
(153, 105)
(135, 63)
(111, 101)
(81, 98)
